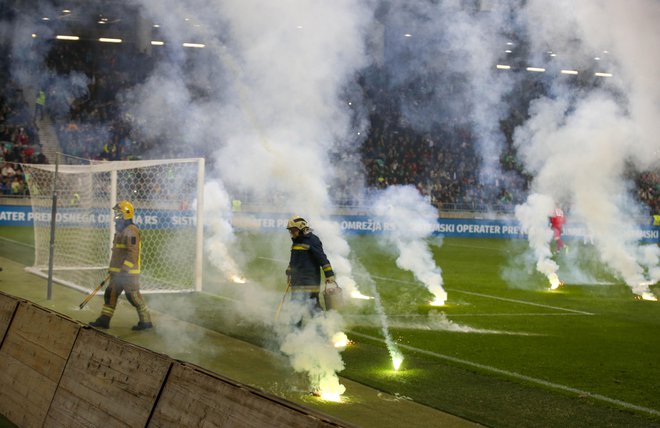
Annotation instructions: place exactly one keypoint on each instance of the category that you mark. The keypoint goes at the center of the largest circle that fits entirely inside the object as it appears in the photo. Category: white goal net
(167, 196)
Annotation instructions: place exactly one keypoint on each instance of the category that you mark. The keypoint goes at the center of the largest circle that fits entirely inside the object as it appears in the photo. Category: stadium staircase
(50, 144)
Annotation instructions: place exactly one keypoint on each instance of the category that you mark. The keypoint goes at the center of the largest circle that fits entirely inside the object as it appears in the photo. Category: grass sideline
(502, 352)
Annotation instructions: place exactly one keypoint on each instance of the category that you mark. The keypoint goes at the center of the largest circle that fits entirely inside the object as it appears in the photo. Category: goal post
(168, 199)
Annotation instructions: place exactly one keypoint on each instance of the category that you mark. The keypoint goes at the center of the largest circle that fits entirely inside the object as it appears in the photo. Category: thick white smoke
(274, 76)
(535, 224)
(219, 234)
(413, 221)
(286, 113)
(580, 146)
(581, 140)
(312, 352)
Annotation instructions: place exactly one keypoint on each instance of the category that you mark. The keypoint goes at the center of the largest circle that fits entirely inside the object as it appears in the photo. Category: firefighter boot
(141, 325)
(101, 322)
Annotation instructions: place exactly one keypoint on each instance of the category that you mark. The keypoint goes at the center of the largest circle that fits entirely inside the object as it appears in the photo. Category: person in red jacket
(557, 220)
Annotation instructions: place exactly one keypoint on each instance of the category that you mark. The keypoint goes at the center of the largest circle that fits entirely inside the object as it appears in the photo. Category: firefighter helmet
(123, 210)
(297, 222)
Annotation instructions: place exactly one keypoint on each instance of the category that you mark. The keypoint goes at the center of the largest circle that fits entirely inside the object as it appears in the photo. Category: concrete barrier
(32, 358)
(57, 372)
(107, 382)
(194, 397)
(8, 306)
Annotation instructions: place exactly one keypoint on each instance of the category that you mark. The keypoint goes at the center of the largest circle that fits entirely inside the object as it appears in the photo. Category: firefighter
(124, 269)
(307, 261)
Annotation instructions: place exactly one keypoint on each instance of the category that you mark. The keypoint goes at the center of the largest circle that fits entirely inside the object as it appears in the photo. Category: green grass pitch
(503, 351)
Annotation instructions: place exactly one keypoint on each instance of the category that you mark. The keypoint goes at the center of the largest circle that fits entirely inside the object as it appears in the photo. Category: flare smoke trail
(275, 107)
(382, 321)
(579, 143)
(292, 73)
(311, 351)
(414, 219)
(220, 234)
(280, 109)
(539, 234)
(392, 348)
(582, 146)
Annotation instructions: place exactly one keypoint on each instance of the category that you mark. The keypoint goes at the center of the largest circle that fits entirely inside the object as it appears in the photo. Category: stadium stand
(86, 122)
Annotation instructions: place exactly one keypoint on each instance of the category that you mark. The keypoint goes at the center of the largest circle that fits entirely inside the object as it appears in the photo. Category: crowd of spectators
(19, 138)
(441, 162)
(84, 107)
(648, 190)
(445, 166)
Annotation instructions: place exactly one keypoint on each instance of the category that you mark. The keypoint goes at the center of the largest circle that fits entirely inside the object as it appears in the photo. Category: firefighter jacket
(126, 251)
(307, 261)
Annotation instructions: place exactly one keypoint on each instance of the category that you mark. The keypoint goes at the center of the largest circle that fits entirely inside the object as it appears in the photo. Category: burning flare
(238, 279)
(648, 296)
(330, 389)
(397, 359)
(555, 282)
(357, 295)
(340, 340)
(330, 396)
(440, 295)
(437, 302)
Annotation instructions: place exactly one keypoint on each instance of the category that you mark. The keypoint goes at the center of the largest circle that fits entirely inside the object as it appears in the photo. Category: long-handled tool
(96, 290)
(279, 307)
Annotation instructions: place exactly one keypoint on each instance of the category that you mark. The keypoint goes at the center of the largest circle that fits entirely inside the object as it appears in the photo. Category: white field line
(522, 314)
(503, 250)
(522, 377)
(17, 242)
(522, 302)
(489, 296)
(503, 314)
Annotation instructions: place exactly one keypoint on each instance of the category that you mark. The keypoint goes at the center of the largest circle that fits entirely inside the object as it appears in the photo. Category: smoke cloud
(441, 63)
(272, 100)
(581, 147)
(219, 232)
(413, 221)
(266, 97)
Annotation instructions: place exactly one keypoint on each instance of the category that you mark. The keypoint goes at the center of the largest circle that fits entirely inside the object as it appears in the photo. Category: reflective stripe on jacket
(307, 261)
(126, 248)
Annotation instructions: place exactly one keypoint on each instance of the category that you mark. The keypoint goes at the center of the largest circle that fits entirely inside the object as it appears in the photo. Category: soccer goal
(168, 199)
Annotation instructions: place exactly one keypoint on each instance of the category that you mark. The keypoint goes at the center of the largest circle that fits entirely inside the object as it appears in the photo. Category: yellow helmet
(297, 222)
(123, 210)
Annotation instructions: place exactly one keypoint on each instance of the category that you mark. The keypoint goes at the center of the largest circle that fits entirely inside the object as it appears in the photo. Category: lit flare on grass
(649, 296)
(330, 389)
(238, 279)
(340, 340)
(330, 396)
(397, 359)
(439, 300)
(555, 282)
(439, 294)
(357, 295)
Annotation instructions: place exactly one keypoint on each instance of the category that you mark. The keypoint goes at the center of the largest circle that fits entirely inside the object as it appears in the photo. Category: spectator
(8, 171)
(40, 105)
(17, 186)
